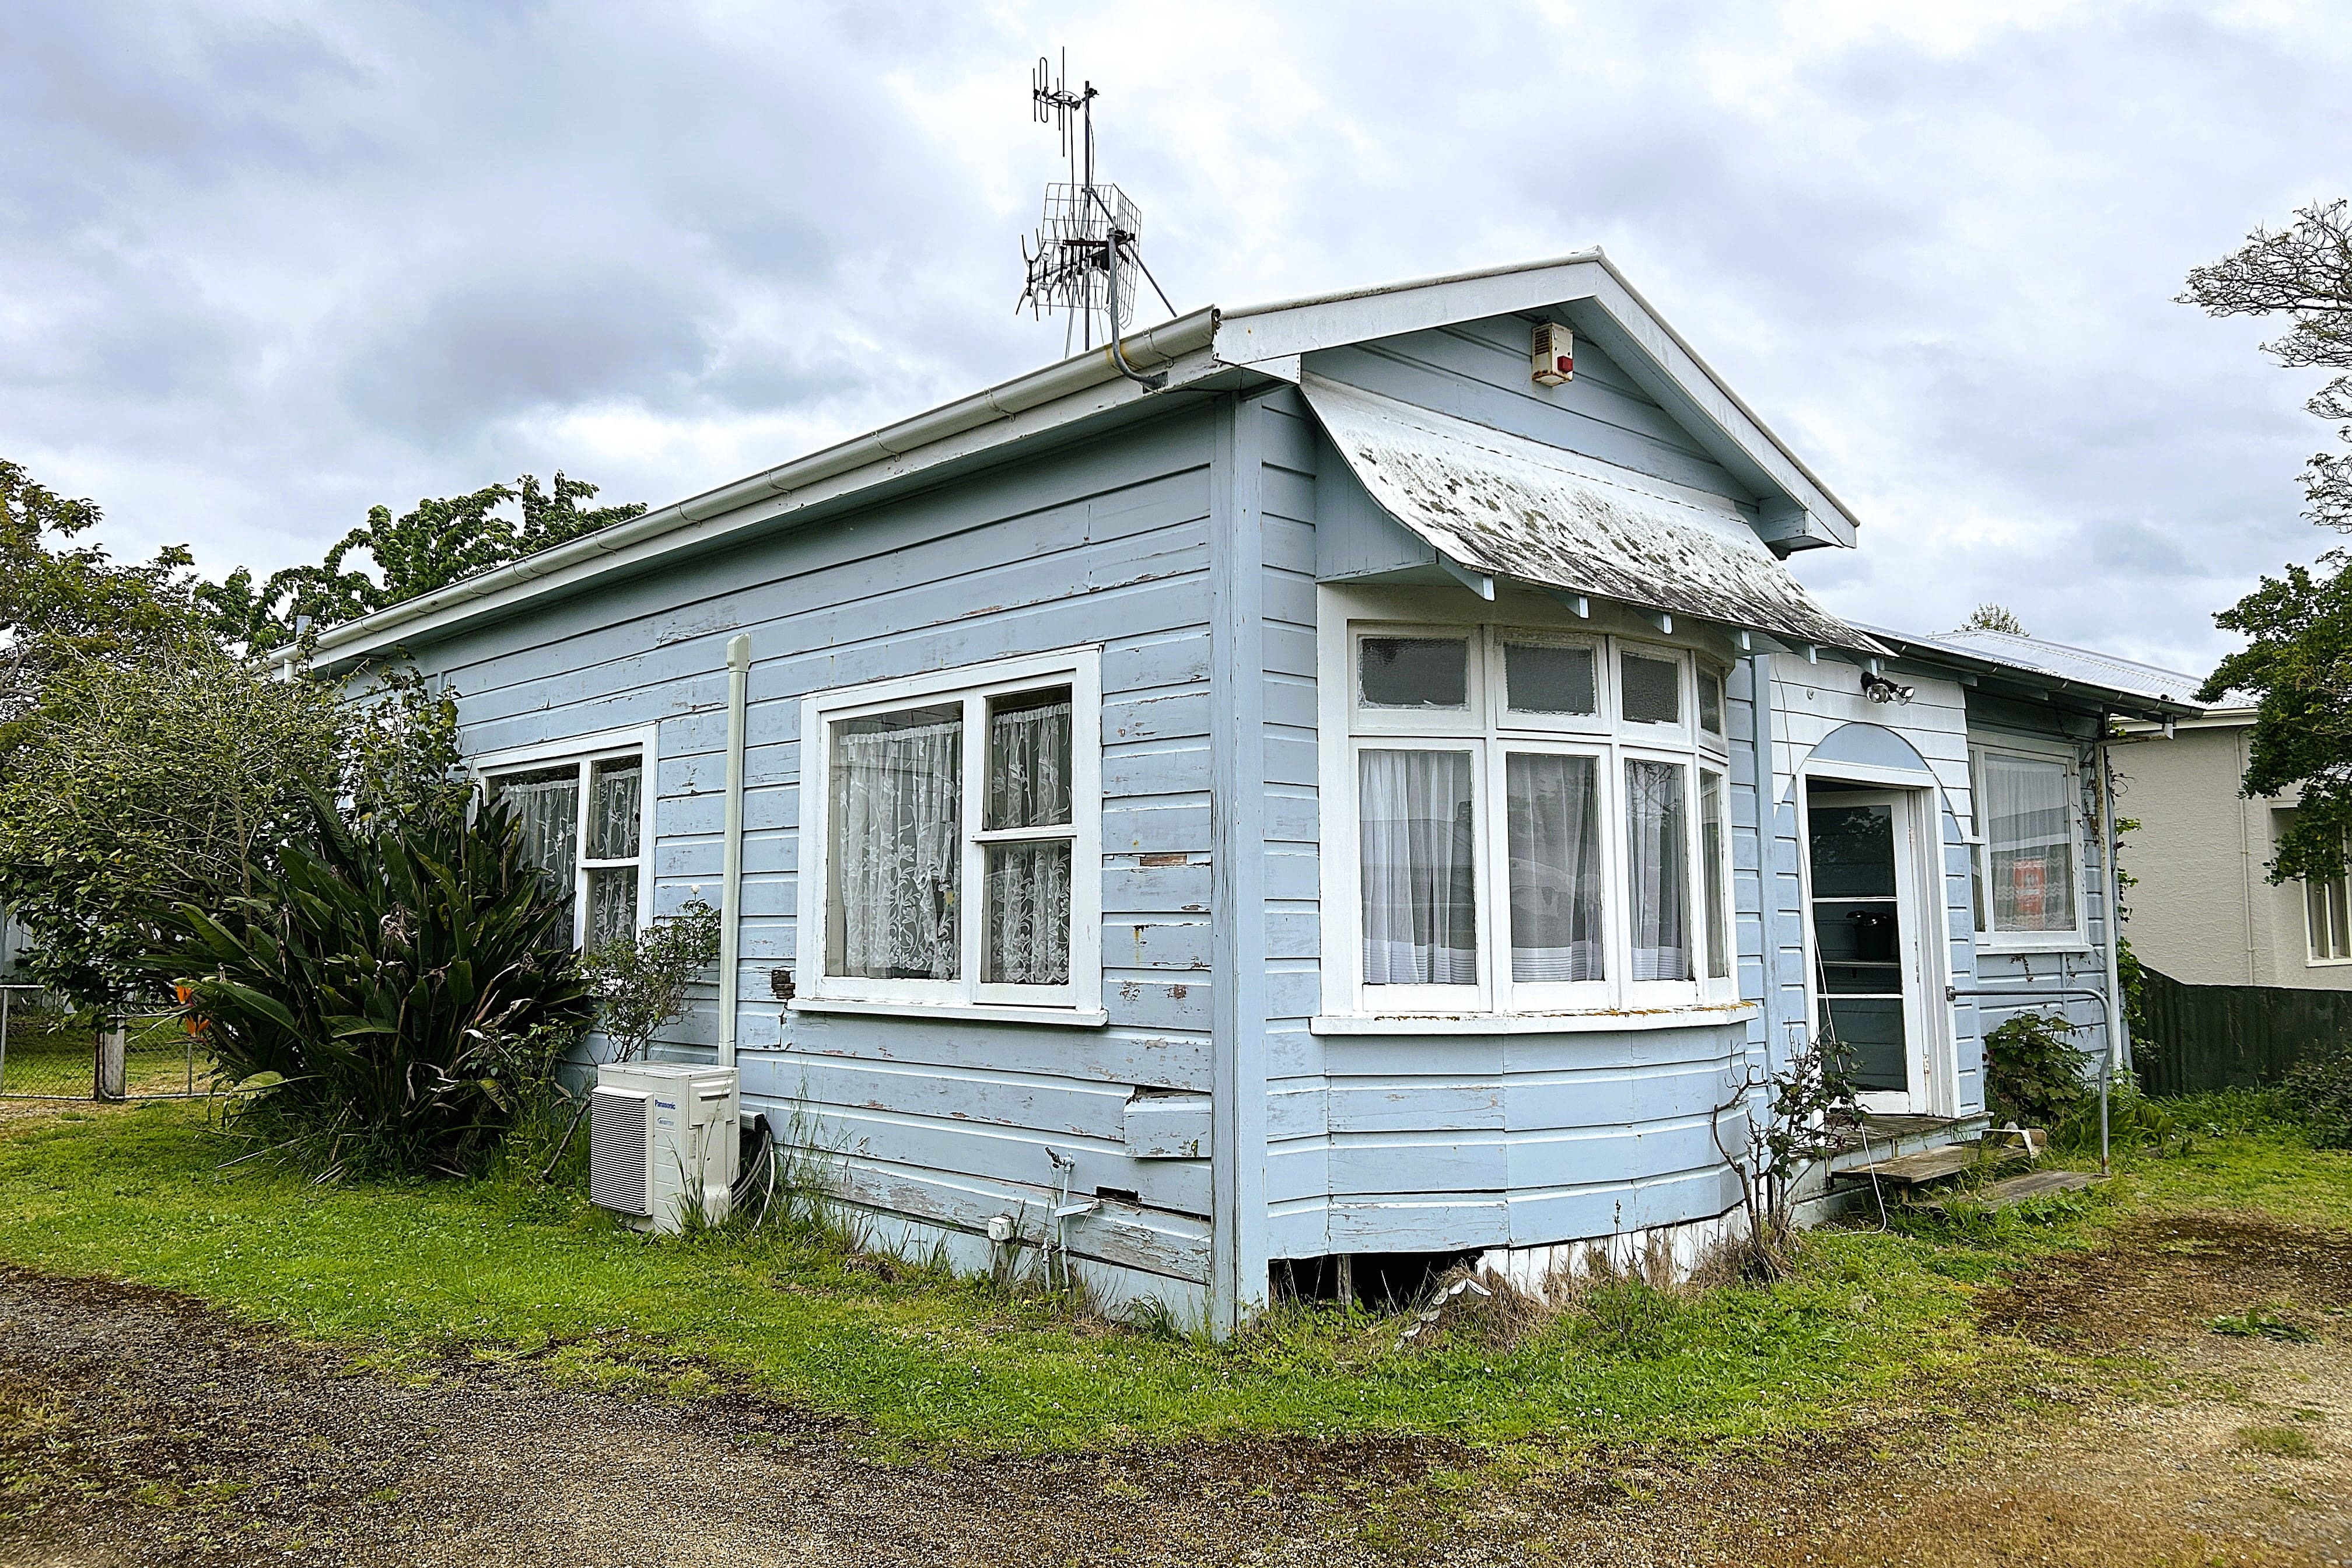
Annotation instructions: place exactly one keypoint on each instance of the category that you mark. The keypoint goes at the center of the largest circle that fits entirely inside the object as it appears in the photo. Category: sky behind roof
(264, 265)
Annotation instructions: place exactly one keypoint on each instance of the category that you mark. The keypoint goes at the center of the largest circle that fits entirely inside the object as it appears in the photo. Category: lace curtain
(897, 850)
(1659, 870)
(1555, 810)
(547, 805)
(1027, 936)
(1420, 892)
(2030, 839)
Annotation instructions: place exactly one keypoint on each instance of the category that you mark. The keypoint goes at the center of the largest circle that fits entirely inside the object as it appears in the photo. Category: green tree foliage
(1995, 618)
(390, 992)
(435, 543)
(2297, 665)
(63, 602)
(135, 785)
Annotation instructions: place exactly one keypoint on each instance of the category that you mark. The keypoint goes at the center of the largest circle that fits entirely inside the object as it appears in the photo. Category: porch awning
(1500, 505)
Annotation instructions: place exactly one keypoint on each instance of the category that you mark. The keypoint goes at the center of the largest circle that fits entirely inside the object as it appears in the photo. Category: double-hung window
(2029, 869)
(1540, 823)
(586, 812)
(951, 830)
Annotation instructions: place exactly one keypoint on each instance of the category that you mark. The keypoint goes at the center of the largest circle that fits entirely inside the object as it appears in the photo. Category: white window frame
(1491, 733)
(584, 752)
(1081, 1001)
(2312, 957)
(1991, 938)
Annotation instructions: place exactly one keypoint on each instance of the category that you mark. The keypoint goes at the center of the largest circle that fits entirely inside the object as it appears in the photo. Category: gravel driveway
(137, 1427)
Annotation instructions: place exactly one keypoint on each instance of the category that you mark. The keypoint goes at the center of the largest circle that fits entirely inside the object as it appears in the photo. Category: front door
(1869, 968)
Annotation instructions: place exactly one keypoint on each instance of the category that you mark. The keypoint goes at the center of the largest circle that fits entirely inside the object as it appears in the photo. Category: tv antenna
(1086, 260)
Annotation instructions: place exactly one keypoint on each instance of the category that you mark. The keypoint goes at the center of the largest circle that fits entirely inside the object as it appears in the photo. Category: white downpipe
(730, 895)
(2113, 873)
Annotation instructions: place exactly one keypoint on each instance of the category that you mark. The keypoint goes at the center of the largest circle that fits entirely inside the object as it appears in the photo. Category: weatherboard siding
(1448, 1142)
(936, 1119)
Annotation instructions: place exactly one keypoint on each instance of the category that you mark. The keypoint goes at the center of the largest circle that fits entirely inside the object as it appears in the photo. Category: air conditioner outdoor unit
(661, 1139)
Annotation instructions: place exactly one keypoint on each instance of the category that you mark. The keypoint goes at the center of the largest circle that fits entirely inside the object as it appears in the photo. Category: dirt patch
(137, 1427)
(2165, 1281)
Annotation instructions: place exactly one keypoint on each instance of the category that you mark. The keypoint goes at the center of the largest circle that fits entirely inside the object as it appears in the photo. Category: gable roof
(1206, 348)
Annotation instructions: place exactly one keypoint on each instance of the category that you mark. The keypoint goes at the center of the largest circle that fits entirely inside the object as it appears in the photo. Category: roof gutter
(1157, 345)
(2105, 697)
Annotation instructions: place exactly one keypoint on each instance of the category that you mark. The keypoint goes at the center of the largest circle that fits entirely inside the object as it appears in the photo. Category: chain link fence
(46, 1052)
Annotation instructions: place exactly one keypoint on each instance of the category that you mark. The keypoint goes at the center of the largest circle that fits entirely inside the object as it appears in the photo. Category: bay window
(955, 822)
(1540, 824)
(586, 815)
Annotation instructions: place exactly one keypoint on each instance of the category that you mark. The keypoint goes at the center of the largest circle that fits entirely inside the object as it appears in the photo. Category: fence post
(110, 1084)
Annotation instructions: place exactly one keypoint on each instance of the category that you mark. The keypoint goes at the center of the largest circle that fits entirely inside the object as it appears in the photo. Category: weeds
(2284, 1442)
(2260, 1323)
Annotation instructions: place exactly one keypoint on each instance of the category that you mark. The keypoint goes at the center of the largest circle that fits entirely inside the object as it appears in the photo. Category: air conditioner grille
(618, 1127)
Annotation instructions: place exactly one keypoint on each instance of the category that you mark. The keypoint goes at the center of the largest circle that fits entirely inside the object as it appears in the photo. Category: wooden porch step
(1914, 1170)
(2014, 1190)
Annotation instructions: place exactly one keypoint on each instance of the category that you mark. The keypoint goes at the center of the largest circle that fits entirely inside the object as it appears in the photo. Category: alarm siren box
(1555, 354)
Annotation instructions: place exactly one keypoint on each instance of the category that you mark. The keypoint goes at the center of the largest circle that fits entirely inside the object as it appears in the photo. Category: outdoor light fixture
(1878, 688)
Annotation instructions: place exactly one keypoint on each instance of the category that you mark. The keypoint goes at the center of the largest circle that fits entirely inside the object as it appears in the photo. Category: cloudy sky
(262, 265)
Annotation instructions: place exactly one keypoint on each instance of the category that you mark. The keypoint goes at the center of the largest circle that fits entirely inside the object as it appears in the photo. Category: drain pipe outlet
(731, 897)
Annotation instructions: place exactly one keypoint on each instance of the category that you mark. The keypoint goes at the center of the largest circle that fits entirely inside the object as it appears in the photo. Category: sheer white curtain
(1554, 869)
(2030, 837)
(897, 848)
(1659, 870)
(1420, 896)
(1028, 924)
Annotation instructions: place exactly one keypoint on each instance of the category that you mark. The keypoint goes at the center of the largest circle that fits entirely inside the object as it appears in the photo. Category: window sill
(956, 1012)
(2057, 942)
(1591, 1022)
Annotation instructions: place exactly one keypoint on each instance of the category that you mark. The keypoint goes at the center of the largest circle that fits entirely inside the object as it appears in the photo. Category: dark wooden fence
(2200, 1038)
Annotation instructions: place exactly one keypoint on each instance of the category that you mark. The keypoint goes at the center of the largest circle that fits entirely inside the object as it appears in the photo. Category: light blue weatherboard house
(1319, 792)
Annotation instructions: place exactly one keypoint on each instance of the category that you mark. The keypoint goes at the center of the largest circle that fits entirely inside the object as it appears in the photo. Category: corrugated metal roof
(2061, 662)
(1509, 506)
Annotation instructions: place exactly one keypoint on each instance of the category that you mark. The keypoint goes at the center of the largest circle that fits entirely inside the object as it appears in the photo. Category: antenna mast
(1086, 260)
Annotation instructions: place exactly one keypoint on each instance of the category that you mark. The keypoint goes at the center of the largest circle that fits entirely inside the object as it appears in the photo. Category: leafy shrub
(391, 991)
(2320, 1086)
(2033, 1073)
(640, 978)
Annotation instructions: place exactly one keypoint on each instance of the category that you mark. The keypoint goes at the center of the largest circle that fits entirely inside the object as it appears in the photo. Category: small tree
(1794, 1120)
(135, 787)
(1996, 618)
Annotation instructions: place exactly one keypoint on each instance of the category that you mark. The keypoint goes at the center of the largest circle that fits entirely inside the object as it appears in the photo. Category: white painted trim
(1080, 1002)
(974, 1012)
(1589, 1021)
(1919, 892)
(2069, 757)
(644, 740)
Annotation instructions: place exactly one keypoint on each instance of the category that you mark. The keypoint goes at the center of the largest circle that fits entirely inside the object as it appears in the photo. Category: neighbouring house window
(2029, 882)
(1533, 830)
(585, 824)
(2326, 908)
(959, 831)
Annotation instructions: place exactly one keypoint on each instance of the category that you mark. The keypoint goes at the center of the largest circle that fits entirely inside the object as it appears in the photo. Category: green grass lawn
(409, 1275)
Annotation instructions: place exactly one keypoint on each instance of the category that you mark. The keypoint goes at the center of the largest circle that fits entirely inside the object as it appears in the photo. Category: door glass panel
(1415, 672)
(1858, 941)
(1854, 851)
(1870, 1028)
